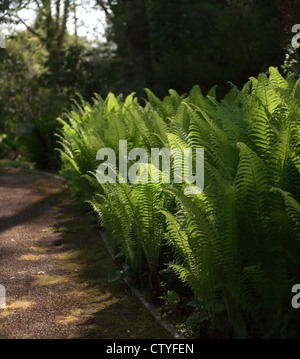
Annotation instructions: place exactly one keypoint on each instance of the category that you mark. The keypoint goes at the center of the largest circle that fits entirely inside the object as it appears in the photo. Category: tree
(137, 32)
(50, 26)
(182, 42)
(128, 33)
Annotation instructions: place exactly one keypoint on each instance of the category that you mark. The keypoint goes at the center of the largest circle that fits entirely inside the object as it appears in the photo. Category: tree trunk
(138, 38)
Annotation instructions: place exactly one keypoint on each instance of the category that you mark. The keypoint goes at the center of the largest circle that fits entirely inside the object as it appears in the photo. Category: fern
(235, 245)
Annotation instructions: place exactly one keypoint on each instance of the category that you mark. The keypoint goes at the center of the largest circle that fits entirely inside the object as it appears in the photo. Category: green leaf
(114, 274)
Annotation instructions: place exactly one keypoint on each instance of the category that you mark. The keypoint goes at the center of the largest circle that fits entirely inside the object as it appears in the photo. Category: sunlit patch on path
(54, 268)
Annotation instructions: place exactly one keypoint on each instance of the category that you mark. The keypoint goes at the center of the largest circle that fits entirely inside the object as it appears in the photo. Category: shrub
(236, 245)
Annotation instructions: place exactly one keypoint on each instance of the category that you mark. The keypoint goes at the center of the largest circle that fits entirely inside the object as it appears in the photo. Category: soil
(54, 267)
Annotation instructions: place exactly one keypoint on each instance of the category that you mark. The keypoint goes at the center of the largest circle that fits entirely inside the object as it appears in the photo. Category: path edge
(153, 311)
(44, 173)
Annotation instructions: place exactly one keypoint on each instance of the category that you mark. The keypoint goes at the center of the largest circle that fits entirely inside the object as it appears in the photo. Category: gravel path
(54, 268)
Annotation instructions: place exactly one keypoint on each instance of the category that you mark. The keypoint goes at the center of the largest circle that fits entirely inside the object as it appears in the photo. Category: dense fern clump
(236, 244)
